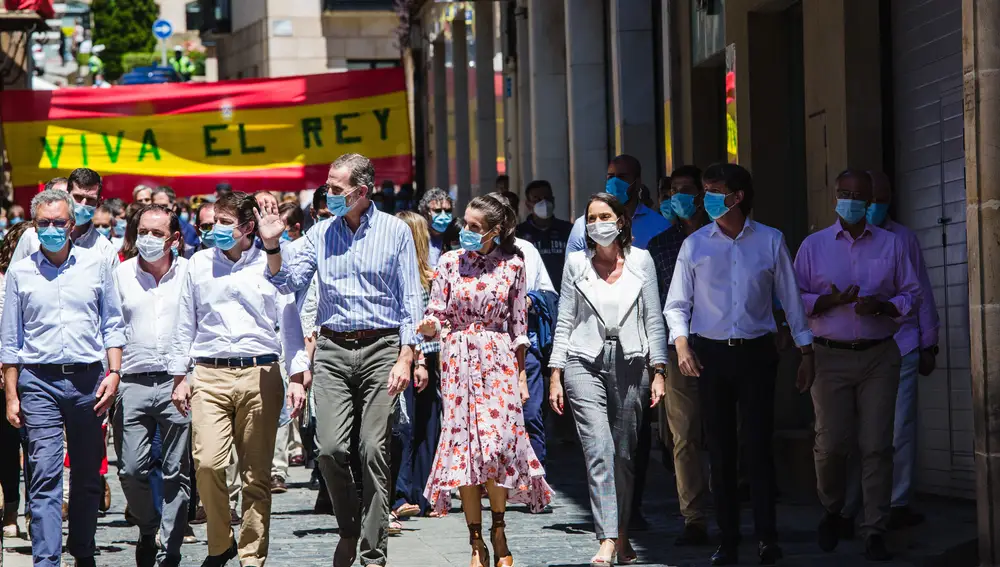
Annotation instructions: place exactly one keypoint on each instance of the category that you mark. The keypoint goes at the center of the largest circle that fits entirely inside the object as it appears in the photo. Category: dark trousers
(424, 409)
(534, 419)
(736, 389)
(641, 457)
(10, 465)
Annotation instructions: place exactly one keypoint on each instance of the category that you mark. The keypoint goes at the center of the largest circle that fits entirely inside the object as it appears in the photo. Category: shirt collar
(173, 267)
(641, 210)
(73, 248)
(839, 231)
(748, 227)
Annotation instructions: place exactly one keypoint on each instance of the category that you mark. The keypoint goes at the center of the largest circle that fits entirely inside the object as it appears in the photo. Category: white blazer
(580, 330)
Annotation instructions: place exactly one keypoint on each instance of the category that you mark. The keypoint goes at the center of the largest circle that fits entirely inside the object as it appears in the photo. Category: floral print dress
(479, 302)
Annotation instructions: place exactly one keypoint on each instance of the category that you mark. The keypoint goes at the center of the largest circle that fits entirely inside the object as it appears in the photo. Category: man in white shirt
(84, 186)
(719, 310)
(227, 318)
(149, 286)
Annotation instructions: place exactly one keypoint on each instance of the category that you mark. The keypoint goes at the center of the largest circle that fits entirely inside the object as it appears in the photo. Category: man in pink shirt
(857, 286)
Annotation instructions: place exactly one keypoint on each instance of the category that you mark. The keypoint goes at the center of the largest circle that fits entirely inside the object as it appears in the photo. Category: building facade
(794, 90)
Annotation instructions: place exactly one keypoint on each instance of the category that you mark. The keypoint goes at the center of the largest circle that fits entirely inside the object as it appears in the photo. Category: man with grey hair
(436, 207)
(142, 195)
(84, 187)
(364, 351)
(62, 316)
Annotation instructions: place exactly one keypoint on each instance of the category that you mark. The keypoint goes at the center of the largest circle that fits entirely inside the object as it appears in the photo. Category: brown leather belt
(859, 345)
(357, 337)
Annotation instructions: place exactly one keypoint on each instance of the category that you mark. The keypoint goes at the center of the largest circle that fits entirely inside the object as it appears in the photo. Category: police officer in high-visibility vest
(182, 64)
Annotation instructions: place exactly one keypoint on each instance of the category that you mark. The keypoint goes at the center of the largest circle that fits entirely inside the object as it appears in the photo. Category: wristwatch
(932, 349)
(118, 372)
(660, 371)
(272, 251)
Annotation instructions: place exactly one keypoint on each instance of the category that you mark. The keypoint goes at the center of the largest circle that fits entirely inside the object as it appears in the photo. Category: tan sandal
(497, 532)
(478, 545)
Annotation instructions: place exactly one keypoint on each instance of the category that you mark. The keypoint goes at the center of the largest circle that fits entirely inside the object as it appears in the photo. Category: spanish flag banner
(256, 134)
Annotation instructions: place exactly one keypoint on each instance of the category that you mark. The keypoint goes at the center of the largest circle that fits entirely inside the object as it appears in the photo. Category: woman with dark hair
(609, 332)
(477, 310)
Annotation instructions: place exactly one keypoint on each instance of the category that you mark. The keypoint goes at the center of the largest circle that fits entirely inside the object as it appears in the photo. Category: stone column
(981, 62)
(634, 84)
(587, 99)
(523, 63)
(486, 102)
(549, 120)
(460, 84)
(440, 125)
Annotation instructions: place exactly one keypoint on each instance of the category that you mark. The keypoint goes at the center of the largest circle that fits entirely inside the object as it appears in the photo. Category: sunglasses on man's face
(59, 223)
(206, 226)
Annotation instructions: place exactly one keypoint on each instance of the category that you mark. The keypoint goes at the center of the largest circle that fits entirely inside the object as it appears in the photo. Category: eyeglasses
(206, 226)
(56, 223)
(853, 195)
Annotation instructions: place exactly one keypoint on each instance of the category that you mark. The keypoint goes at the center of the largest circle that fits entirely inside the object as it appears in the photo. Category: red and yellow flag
(256, 134)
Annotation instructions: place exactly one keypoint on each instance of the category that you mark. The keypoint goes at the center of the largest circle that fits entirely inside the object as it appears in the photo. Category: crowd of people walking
(415, 356)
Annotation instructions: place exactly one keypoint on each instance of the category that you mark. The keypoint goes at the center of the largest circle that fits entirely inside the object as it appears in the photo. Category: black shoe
(875, 549)
(171, 561)
(693, 534)
(85, 562)
(901, 517)
(638, 523)
(323, 504)
(220, 560)
(826, 533)
(845, 528)
(145, 551)
(726, 555)
(769, 553)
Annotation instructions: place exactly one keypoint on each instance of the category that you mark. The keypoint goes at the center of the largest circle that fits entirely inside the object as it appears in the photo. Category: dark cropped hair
(499, 214)
(293, 212)
(242, 206)
(129, 249)
(84, 177)
(691, 171)
(56, 180)
(166, 190)
(618, 208)
(736, 178)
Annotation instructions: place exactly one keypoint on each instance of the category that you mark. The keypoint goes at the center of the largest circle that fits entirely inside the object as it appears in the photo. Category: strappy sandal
(496, 532)
(478, 545)
(598, 561)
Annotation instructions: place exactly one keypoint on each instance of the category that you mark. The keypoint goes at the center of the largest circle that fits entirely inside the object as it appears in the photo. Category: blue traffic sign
(162, 29)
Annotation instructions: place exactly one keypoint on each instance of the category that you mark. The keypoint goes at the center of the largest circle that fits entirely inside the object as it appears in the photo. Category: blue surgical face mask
(471, 241)
(53, 238)
(337, 204)
(3, 223)
(618, 189)
(683, 205)
(208, 238)
(715, 205)
(16, 220)
(185, 216)
(224, 239)
(668, 212)
(851, 210)
(104, 231)
(285, 237)
(877, 213)
(120, 226)
(441, 221)
(83, 213)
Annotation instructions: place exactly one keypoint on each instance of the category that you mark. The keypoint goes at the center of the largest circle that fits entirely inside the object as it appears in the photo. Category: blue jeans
(904, 435)
(54, 403)
(534, 419)
(425, 429)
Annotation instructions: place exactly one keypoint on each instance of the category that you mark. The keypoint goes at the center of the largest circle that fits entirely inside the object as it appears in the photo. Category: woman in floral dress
(477, 308)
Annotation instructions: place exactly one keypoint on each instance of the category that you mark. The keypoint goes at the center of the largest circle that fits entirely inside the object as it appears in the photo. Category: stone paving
(561, 538)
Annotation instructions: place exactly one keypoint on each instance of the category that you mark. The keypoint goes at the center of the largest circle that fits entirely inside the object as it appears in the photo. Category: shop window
(363, 64)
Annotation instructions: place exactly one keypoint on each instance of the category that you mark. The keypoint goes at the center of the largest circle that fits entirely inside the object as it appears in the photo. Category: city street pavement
(561, 538)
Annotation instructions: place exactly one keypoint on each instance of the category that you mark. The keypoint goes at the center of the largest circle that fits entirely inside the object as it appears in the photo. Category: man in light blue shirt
(370, 301)
(625, 183)
(62, 313)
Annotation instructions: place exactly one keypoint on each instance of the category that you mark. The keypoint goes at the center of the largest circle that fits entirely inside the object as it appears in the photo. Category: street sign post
(162, 29)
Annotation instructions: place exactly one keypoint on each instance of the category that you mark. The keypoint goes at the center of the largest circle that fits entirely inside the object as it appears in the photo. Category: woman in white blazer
(610, 330)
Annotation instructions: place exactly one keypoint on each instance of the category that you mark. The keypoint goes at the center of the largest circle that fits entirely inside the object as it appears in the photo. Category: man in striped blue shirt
(369, 305)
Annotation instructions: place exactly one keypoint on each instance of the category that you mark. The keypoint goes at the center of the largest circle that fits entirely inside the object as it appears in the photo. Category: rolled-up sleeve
(180, 354)
(298, 269)
(11, 324)
(112, 320)
(680, 298)
(409, 290)
(786, 289)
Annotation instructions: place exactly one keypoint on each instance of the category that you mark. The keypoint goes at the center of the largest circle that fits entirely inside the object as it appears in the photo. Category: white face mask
(603, 233)
(543, 209)
(150, 247)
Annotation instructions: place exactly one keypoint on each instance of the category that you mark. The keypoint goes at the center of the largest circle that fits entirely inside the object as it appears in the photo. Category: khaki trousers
(683, 410)
(236, 406)
(854, 397)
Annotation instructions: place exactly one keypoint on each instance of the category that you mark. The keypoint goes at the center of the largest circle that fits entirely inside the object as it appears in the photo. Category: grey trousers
(350, 381)
(143, 404)
(606, 397)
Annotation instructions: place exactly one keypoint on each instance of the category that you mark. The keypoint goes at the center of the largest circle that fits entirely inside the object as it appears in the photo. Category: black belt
(72, 368)
(860, 345)
(357, 337)
(244, 362)
(736, 342)
(141, 375)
